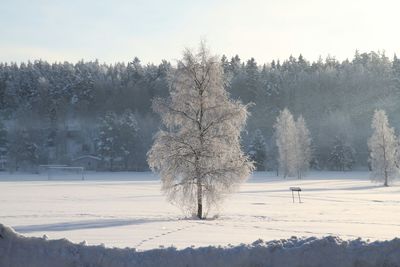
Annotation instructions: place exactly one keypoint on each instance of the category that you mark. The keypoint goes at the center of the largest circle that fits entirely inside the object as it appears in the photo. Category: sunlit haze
(112, 31)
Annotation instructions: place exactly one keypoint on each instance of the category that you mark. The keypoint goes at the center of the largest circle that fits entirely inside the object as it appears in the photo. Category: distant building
(89, 162)
(3, 163)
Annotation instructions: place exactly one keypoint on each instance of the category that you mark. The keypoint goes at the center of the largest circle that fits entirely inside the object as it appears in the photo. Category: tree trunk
(126, 163)
(199, 200)
(200, 128)
(386, 179)
(384, 159)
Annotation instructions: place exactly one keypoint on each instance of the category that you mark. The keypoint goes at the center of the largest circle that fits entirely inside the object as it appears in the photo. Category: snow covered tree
(117, 138)
(383, 149)
(272, 155)
(3, 144)
(294, 144)
(302, 147)
(342, 156)
(257, 150)
(23, 149)
(198, 153)
(398, 153)
(285, 132)
(107, 144)
(128, 137)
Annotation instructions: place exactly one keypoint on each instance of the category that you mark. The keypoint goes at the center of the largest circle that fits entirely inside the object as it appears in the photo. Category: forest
(54, 113)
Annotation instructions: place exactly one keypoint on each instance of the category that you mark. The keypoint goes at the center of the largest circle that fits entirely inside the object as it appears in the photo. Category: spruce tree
(257, 150)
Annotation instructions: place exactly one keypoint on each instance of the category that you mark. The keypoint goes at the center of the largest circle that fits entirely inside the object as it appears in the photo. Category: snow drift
(20, 251)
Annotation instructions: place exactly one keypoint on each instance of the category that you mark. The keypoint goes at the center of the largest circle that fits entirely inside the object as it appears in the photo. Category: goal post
(65, 173)
(44, 167)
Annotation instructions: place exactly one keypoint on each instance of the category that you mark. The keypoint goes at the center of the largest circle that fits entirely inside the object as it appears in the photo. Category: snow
(128, 210)
(19, 251)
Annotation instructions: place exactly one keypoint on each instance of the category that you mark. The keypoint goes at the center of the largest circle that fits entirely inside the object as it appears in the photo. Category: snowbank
(20, 251)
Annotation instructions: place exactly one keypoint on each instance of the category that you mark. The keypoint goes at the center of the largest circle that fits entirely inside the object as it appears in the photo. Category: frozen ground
(128, 210)
(19, 251)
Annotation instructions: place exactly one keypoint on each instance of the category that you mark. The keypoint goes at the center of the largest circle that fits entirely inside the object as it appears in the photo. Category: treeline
(54, 113)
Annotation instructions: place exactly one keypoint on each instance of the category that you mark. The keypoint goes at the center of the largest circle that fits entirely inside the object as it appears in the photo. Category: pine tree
(396, 74)
(23, 149)
(285, 132)
(273, 155)
(117, 138)
(257, 150)
(107, 145)
(383, 149)
(128, 137)
(252, 82)
(198, 153)
(4, 146)
(342, 156)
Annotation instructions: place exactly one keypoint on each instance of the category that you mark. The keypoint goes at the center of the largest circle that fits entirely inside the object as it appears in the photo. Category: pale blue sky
(119, 30)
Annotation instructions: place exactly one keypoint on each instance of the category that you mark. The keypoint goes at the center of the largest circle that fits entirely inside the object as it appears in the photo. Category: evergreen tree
(257, 150)
(50, 96)
(117, 138)
(4, 146)
(128, 137)
(23, 150)
(252, 82)
(396, 73)
(107, 145)
(273, 155)
(342, 156)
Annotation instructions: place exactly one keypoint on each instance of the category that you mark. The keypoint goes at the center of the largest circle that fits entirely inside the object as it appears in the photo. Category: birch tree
(198, 153)
(285, 132)
(302, 147)
(383, 149)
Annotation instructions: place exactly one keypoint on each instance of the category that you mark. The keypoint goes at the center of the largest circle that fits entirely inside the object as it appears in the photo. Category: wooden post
(297, 189)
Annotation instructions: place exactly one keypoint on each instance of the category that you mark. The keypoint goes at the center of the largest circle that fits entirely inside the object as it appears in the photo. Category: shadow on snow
(87, 224)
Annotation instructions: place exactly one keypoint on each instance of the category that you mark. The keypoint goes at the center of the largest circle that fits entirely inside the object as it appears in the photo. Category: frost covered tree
(285, 132)
(198, 152)
(383, 149)
(23, 149)
(117, 138)
(273, 155)
(3, 144)
(107, 145)
(342, 156)
(128, 137)
(257, 150)
(302, 147)
(294, 144)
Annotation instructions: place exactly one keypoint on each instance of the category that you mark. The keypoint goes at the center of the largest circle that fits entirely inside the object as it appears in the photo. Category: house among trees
(3, 164)
(89, 162)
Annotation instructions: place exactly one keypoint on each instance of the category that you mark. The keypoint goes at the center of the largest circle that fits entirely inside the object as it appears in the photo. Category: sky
(119, 30)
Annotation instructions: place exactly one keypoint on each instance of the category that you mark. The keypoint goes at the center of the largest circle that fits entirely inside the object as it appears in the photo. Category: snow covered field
(128, 210)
